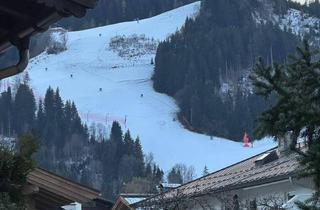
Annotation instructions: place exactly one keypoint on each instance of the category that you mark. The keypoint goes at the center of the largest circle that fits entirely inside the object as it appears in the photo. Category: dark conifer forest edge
(205, 65)
(116, 11)
(114, 163)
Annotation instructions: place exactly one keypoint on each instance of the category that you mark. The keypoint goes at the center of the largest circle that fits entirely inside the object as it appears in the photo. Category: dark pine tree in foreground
(297, 110)
(14, 167)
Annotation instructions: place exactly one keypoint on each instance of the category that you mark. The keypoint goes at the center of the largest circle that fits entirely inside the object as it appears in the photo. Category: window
(253, 204)
(290, 195)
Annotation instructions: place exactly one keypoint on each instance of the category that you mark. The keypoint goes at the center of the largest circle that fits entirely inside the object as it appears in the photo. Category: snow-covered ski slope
(127, 94)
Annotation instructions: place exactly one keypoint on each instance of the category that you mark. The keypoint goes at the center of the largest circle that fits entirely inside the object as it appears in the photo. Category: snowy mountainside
(294, 21)
(109, 81)
(299, 23)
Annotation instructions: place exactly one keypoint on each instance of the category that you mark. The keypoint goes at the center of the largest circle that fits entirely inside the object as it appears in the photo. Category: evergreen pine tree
(76, 125)
(138, 153)
(128, 144)
(14, 167)
(296, 112)
(174, 176)
(116, 132)
(24, 108)
(148, 172)
(205, 171)
(49, 116)
(59, 120)
(6, 106)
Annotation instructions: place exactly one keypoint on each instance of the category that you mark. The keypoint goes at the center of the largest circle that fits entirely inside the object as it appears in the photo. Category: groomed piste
(113, 82)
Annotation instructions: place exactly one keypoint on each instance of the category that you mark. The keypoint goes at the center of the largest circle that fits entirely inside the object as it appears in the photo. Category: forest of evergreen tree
(116, 11)
(217, 49)
(192, 66)
(114, 163)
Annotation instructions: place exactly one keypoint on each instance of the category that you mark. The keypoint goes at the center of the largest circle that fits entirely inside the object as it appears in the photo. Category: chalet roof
(240, 175)
(22, 18)
(169, 185)
(121, 204)
(132, 198)
(125, 200)
(52, 191)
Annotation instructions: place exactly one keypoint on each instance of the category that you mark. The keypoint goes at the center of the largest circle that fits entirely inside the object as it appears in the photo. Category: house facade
(269, 180)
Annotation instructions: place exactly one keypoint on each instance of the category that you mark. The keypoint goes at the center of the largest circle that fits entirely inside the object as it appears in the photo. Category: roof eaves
(203, 177)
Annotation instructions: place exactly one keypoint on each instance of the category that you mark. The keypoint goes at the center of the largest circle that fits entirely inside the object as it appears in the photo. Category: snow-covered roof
(169, 185)
(133, 200)
(128, 200)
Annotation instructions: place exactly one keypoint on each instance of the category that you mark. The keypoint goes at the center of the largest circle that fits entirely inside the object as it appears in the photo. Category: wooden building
(48, 191)
(21, 19)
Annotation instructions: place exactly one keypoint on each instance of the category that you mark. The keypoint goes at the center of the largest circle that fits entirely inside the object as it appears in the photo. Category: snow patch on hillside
(7, 142)
(108, 87)
(57, 41)
(299, 23)
(134, 46)
(294, 21)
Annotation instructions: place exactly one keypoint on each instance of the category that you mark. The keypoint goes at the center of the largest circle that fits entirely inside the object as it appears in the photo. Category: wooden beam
(41, 25)
(8, 72)
(59, 189)
(62, 187)
(86, 3)
(93, 192)
(53, 198)
(65, 7)
(46, 204)
(53, 10)
(30, 189)
(16, 14)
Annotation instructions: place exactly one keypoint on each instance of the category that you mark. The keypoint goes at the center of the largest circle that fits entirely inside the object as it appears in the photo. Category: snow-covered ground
(293, 21)
(127, 94)
(299, 23)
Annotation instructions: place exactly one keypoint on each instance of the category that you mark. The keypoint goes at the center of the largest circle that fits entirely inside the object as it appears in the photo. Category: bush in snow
(133, 46)
(57, 41)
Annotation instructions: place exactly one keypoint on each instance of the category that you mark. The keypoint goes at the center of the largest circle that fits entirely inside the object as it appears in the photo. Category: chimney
(284, 144)
(266, 158)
